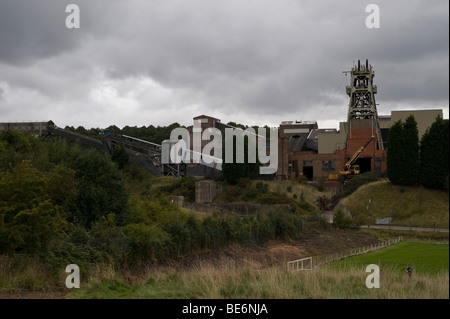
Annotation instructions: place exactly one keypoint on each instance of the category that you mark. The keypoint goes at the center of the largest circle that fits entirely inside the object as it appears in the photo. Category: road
(407, 228)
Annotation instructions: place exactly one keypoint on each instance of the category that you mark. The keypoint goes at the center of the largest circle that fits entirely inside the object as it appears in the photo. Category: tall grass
(27, 272)
(30, 273)
(408, 206)
(230, 281)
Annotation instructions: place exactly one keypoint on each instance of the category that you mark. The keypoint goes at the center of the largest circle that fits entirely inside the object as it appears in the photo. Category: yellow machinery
(349, 168)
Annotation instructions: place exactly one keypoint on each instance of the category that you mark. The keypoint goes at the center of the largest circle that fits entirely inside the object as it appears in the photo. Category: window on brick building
(328, 165)
(307, 163)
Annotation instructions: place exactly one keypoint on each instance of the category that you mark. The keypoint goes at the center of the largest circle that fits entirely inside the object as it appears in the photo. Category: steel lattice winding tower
(362, 107)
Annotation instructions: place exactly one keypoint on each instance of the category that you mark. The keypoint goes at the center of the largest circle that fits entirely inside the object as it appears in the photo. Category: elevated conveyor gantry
(152, 150)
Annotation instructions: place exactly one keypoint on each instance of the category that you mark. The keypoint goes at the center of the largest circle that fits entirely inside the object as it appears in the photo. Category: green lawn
(425, 258)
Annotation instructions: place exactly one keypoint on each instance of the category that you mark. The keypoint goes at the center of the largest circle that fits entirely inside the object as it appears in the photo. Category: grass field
(427, 259)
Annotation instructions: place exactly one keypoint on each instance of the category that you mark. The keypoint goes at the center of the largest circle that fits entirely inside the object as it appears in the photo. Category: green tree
(434, 155)
(403, 152)
(120, 156)
(410, 167)
(16, 147)
(340, 220)
(60, 152)
(100, 187)
(28, 218)
(394, 154)
(62, 185)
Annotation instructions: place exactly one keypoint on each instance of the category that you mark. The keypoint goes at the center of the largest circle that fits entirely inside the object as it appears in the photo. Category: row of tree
(148, 133)
(414, 162)
(69, 205)
(46, 186)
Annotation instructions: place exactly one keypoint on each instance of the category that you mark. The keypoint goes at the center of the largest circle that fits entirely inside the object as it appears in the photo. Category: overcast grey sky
(256, 62)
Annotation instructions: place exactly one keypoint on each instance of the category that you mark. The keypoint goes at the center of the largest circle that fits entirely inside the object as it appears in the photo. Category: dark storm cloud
(277, 59)
(31, 30)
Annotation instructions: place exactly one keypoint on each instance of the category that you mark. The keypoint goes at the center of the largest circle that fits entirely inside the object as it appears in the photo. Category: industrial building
(35, 128)
(324, 152)
(306, 150)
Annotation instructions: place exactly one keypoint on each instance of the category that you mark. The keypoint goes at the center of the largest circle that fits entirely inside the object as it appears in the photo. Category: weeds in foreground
(229, 281)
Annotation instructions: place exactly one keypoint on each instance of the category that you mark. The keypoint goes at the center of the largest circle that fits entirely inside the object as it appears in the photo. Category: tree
(434, 155)
(62, 185)
(340, 220)
(394, 154)
(15, 147)
(410, 149)
(100, 187)
(120, 156)
(403, 153)
(28, 218)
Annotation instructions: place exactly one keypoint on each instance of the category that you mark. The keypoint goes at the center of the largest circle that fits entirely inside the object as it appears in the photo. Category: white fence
(356, 251)
(306, 263)
(300, 264)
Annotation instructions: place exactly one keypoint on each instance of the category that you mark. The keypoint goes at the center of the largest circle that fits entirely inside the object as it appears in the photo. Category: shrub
(302, 179)
(262, 187)
(181, 187)
(321, 185)
(342, 221)
(357, 181)
(307, 206)
(101, 189)
(120, 156)
(28, 218)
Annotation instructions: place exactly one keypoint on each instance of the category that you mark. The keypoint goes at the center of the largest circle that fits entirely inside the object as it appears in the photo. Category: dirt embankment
(276, 253)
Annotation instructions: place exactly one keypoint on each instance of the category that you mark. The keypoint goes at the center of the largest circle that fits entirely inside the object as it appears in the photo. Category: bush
(342, 221)
(262, 187)
(357, 181)
(181, 187)
(120, 156)
(302, 179)
(28, 218)
(307, 206)
(321, 185)
(101, 189)
(315, 220)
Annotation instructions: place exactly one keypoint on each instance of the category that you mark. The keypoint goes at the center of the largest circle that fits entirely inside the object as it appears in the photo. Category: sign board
(384, 221)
